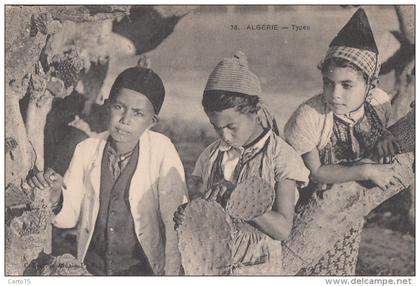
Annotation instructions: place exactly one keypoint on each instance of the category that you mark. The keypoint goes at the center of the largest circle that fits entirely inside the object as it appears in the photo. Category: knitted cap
(233, 74)
(357, 33)
(143, 80)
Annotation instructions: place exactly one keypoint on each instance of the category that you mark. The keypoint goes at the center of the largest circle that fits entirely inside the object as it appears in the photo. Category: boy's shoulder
(313, 109)
(315, 104)
(93, 142)
(156, 143)
(211, 148)
(279, 145)
(156, 137)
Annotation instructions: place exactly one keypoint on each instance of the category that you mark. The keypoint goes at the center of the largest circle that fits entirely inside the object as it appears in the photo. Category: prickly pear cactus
(250, 199)
(205, 239)
(68, 67)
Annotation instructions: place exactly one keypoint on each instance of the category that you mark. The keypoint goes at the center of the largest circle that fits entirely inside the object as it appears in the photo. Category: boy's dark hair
(341, 63)
(219, 100)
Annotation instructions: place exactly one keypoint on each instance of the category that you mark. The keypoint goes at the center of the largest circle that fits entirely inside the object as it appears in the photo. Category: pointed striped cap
(233, 74)
(357, 34)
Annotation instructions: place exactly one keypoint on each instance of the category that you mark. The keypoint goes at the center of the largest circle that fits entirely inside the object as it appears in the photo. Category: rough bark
(19, 155)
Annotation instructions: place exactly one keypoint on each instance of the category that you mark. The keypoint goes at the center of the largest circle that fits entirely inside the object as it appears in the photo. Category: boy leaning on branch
(342, 133)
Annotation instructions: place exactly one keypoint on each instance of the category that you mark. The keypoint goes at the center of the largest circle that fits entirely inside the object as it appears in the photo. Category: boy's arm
(195, 187)
(172, 193)
(334, 174)
(277, 223)
(72, 191)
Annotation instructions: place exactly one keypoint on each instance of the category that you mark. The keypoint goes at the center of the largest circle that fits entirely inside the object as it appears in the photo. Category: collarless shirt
(117, 162)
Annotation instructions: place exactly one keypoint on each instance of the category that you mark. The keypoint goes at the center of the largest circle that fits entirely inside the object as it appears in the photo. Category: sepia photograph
(209, 140)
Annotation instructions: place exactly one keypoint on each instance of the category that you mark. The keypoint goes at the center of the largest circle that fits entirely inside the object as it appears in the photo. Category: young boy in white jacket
(123, 186)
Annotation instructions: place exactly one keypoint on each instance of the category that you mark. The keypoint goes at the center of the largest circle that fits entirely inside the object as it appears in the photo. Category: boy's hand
(179, 215)
(48, 179)
(220, 192)
(381, 175)
(386, 147)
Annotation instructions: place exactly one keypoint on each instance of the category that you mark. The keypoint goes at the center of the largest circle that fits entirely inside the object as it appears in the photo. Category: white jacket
(157, 188)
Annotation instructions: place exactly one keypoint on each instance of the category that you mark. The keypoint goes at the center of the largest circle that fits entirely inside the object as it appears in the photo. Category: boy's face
(131, 113)
(235, 128)
(344, 89)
